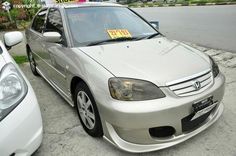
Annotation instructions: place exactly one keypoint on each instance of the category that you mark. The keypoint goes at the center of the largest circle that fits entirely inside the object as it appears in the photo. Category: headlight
(215, 68)
(133, 90)
(12, 89)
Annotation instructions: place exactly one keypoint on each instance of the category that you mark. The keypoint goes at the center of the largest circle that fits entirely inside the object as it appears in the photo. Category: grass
(20, 59)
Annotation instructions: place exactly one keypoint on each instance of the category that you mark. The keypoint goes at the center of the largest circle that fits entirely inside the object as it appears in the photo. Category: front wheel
(87, 111)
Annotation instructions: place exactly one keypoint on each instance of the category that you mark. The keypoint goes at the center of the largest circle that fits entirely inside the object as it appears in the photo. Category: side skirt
(67, 98)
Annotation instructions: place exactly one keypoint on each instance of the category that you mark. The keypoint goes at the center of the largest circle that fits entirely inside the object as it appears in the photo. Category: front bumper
(21, 131)
(127, 124)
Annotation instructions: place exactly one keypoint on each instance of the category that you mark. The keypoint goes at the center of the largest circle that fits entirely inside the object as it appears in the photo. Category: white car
(20, 118)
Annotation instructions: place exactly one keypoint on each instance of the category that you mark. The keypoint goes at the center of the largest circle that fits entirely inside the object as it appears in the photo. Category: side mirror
(155, 24)
(53, 37)
(12, 38)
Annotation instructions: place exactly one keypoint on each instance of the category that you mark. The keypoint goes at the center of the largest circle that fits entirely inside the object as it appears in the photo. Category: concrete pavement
(63, 134)
(210, 26)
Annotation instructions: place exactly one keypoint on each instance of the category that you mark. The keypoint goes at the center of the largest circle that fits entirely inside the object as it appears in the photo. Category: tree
(33, 8)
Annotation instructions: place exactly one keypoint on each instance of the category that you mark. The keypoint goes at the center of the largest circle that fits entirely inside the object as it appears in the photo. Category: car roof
(84, 4)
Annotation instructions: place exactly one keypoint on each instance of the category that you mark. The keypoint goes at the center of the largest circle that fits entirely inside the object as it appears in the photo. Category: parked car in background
(128, 82)
(20, 117)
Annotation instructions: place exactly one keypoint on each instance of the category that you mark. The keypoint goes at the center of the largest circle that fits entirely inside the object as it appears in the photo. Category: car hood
(157, 60)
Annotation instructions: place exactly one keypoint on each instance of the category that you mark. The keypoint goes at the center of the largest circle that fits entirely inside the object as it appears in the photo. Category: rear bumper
(21, 131)
(127, 124)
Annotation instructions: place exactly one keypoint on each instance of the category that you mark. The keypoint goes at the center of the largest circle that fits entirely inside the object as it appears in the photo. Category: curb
(224, 58)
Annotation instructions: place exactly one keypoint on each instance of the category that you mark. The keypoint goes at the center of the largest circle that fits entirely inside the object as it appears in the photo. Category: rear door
(36, 42)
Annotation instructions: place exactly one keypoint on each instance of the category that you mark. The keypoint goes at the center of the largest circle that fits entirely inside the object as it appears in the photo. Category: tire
(87, 110)
(32, 63)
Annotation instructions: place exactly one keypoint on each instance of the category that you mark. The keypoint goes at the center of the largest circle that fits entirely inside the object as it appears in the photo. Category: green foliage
(199, 2)
(20, 16)
(32, 9)
(185, 3)
(14, 14)
(22, 24)
(134, 4)
(11, 24)
(20, 59)
(157, 3)
(3, 13)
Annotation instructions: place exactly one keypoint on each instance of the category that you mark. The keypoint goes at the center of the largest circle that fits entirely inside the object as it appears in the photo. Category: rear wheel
(32, 63)
(87, 111)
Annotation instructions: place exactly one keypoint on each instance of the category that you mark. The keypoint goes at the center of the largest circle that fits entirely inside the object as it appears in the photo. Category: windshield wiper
(152, 35)
(113, 40)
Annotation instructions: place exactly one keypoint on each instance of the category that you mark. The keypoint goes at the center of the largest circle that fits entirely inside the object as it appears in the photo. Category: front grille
(185, 86)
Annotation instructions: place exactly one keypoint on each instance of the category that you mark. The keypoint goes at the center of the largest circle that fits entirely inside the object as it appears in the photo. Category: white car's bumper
(21, 130)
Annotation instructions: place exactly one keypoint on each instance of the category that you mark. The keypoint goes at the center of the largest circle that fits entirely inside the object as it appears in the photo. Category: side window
(38, 23)
(54, 23)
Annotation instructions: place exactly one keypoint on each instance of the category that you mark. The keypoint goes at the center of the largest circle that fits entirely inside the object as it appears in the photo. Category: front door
(57, 51)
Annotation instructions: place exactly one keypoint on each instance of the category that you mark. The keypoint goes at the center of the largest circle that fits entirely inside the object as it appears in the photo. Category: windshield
(93, 24)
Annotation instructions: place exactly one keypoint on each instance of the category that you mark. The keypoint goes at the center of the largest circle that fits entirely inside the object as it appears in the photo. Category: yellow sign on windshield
(119, 33)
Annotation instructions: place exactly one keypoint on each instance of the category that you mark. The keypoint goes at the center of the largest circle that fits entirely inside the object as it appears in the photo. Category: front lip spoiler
(140, 148)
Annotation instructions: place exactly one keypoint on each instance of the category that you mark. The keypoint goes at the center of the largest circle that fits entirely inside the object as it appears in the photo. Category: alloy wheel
(86, 110)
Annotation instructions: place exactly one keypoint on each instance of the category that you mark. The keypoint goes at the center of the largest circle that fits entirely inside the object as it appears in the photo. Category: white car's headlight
(12, 89)
(133, 90)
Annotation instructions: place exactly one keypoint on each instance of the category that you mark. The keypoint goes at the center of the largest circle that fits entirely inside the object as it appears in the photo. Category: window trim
(31, 26)
(67, 31)
(63, 25)
(145, 20)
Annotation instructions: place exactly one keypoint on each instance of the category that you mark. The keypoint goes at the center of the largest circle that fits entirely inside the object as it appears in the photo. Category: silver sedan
(130, 84)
